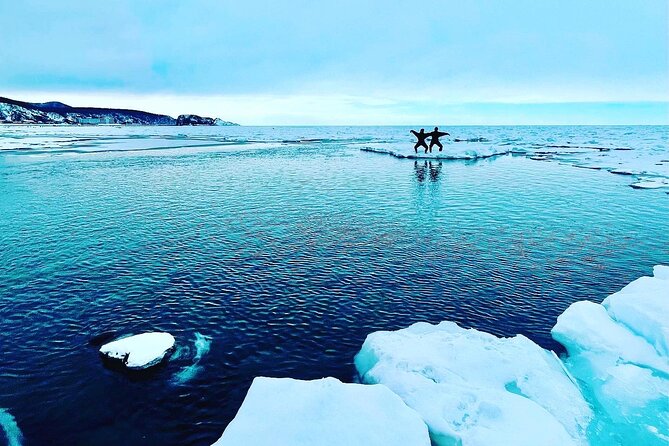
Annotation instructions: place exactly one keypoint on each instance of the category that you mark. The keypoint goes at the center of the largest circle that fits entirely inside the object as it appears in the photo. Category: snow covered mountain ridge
(18, 112)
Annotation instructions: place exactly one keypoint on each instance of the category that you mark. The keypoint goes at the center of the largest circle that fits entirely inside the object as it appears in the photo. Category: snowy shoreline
(473, 388)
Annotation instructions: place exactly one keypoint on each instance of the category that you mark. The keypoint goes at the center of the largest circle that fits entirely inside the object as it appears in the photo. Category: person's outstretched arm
(414, 132)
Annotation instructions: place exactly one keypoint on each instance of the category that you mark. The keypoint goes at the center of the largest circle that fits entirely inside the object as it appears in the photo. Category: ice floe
(11, 428)
(455, 151)
(473, 388)
(648, 163)
(140, 351)
(650, 183)
(642, 153)
(619, 351)
(324, 412)
(643, 306)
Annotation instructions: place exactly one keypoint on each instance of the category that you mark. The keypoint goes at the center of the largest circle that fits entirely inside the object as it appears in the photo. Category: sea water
(275, 251)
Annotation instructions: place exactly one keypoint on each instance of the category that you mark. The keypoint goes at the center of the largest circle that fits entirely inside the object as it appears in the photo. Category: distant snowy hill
(18, 112)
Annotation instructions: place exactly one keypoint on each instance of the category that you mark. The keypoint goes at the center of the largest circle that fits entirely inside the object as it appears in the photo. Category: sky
(346, 62)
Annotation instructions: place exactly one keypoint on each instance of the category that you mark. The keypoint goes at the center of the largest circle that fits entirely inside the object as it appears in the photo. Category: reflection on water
(424, 168)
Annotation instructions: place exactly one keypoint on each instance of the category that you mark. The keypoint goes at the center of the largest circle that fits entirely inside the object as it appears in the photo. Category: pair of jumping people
(434, 139)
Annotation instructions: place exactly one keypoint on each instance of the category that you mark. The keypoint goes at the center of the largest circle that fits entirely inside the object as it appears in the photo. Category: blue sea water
(275, 251)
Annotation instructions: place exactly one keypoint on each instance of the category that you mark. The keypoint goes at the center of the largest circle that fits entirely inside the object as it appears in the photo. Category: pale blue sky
(346, 62)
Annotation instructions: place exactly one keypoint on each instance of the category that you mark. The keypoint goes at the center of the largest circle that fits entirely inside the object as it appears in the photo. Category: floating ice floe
(650, 183)
(324, 412)
(620, 352)
(11, 428)
(472, 388)
(455, 151)
(140, 351)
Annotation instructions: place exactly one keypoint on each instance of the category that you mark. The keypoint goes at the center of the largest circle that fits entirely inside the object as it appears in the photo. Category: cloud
(274, 61)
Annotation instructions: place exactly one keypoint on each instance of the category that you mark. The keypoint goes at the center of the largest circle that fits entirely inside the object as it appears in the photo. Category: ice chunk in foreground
(473, 388)
(139, 351)
(324, 412)
(643, 306)
(618, 350)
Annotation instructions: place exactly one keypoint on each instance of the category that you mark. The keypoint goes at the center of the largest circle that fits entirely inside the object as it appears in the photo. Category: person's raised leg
(441, 146)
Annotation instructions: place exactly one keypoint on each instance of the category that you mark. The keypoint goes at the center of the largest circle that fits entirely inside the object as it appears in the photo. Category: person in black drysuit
(434, 139)
(421, 136)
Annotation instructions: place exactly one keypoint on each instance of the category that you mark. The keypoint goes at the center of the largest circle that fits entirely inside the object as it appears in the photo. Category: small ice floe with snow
(452, 151)
(650, 183)
(140, 351)
(620, 351)
(202, 344)
(473, 388)
(324, 412)
(11, 428)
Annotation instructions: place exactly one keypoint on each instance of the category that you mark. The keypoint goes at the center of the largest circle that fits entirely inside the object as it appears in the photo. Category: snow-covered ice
(455, 151)
(640, 152)
(140, 351)
(473, 388)
(619, 351)
(643, 306)
(651, 183)
(323, 412)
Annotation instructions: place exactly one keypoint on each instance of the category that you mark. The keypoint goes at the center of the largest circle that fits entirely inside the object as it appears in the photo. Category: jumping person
(420, 136)
(434, 140)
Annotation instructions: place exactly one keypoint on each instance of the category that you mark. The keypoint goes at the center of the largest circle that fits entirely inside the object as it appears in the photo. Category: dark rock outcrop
(201, 120)
(194, 120)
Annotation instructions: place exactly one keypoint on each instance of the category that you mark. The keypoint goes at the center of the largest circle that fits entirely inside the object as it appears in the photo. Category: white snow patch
(324, 412)
(140, 351)
(473, 388)
(650, 183)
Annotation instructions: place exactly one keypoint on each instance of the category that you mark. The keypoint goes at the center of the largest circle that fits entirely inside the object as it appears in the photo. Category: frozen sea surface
(284, 247)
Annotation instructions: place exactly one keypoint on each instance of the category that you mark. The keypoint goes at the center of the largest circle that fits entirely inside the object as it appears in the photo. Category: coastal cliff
(18, 112)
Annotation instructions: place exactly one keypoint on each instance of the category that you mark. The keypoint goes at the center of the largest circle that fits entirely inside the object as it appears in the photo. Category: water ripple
(286, 257)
